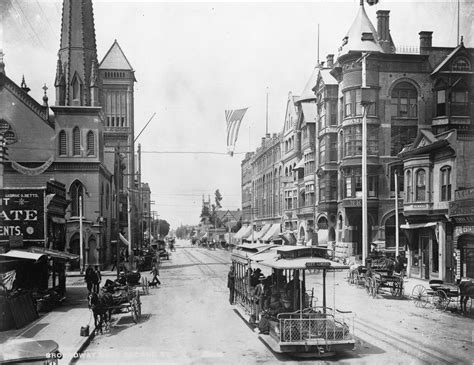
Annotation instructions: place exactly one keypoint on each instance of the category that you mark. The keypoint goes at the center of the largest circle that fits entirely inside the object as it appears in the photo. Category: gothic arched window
(62, 148)
(76, 142)
(76, 193)
(90, 144)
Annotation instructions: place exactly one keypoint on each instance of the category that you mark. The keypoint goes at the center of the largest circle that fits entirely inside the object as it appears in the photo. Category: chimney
(426, 39)
(383, 26)
(330, 60)
(263, 141)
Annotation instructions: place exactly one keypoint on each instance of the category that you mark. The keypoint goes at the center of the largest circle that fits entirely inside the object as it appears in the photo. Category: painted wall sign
(22, 214)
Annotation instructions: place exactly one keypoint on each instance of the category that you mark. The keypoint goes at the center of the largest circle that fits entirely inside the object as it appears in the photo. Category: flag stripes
(233, 119)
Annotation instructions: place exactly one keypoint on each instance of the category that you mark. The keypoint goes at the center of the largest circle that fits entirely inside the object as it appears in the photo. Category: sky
(194, 60)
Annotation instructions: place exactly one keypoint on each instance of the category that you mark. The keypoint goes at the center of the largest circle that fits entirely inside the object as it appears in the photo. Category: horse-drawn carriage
(119, 296)
(378, 274)
(441, 295)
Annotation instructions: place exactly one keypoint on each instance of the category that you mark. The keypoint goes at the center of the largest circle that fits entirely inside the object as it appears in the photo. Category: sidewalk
(63, 324)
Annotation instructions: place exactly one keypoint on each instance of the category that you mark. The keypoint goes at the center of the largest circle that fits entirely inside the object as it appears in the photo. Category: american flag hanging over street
(233, 118)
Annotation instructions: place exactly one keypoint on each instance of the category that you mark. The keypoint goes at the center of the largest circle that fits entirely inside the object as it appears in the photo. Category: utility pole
(365, 106)
(3, 157)
(81, 238)
(140, 192)
(117, 205)
(397, 237)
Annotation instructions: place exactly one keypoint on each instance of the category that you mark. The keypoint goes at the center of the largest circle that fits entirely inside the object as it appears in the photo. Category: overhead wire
(39, 41)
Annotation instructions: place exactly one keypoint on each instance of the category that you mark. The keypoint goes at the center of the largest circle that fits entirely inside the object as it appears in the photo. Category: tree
(205, 213)
(163, 227)
(218, 199)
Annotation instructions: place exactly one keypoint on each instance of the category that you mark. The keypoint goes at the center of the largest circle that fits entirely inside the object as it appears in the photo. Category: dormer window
(461, 64)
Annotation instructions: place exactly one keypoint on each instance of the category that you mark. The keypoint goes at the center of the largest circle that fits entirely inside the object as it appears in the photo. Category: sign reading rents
(22, 214)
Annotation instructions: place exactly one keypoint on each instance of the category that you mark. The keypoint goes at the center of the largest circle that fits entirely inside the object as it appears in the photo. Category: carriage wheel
(440, 300)
(134, 310)
(419, 295)
(368, 285)
(375, 288)
(145, 286)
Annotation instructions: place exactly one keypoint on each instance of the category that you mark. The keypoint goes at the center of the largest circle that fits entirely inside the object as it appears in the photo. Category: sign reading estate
(22, 214)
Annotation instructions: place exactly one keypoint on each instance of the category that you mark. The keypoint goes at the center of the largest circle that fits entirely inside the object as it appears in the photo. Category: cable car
(292, 322)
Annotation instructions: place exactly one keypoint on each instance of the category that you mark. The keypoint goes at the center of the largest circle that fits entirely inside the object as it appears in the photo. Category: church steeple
(77, 52)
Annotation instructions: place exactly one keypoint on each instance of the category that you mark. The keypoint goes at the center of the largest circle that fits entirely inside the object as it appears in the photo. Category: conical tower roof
(308, 93)
(362, 36)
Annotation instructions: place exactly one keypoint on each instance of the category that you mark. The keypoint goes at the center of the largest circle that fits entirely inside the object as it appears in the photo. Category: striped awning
(272, 233)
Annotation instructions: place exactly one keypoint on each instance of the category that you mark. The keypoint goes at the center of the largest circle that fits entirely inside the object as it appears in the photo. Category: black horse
(466, 291)
(100, 304)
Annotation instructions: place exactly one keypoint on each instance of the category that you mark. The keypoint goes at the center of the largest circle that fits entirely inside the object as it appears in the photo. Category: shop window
(446, 183)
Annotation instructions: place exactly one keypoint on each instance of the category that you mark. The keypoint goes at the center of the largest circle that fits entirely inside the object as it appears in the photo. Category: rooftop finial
(45, 96)
(23, 85)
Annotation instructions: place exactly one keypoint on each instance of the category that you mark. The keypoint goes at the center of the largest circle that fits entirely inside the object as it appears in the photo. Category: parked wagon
(127, 299)
(439, 295)
(392, 283)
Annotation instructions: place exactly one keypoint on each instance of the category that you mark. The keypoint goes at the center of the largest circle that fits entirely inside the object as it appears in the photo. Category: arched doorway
(466, 247)
(74, 247)
(301, 235)
(93, 258)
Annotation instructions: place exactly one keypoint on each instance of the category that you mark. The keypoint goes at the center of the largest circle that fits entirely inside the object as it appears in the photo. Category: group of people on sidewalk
(93, 277)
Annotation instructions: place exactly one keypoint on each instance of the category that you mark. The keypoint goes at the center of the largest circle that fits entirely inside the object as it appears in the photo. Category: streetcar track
(201, 265)
(413, 345)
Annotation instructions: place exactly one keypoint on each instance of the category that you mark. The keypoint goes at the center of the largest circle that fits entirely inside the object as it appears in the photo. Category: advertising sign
(22, 214)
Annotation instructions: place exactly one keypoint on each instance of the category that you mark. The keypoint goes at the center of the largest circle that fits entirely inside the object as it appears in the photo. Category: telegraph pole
(140, 192)
(117, 205)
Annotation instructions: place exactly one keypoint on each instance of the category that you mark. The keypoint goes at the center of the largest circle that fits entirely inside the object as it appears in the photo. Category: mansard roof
(115, 59)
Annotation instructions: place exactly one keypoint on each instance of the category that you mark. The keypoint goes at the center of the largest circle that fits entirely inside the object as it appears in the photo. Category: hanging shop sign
(21, 214)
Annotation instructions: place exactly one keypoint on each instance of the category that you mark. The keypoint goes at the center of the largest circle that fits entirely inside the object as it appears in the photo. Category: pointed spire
(78, 50)
(2, 64)
(23, 85)
(59, 81)
(94, 75)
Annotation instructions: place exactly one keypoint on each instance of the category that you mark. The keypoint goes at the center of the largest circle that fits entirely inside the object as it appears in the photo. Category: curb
(80, 350)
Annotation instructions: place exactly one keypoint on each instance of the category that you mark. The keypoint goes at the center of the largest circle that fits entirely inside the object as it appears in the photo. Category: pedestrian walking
(114, 262)
(155, 280)
(231, 284)
(96, 279)
(89, 278)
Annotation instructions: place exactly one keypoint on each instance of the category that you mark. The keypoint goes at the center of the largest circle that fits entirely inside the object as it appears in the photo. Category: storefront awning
(417, 225)
(241, 231)
(26, 255)
(272, 233)
(258, 235)
(299, 165)
(55, 253)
